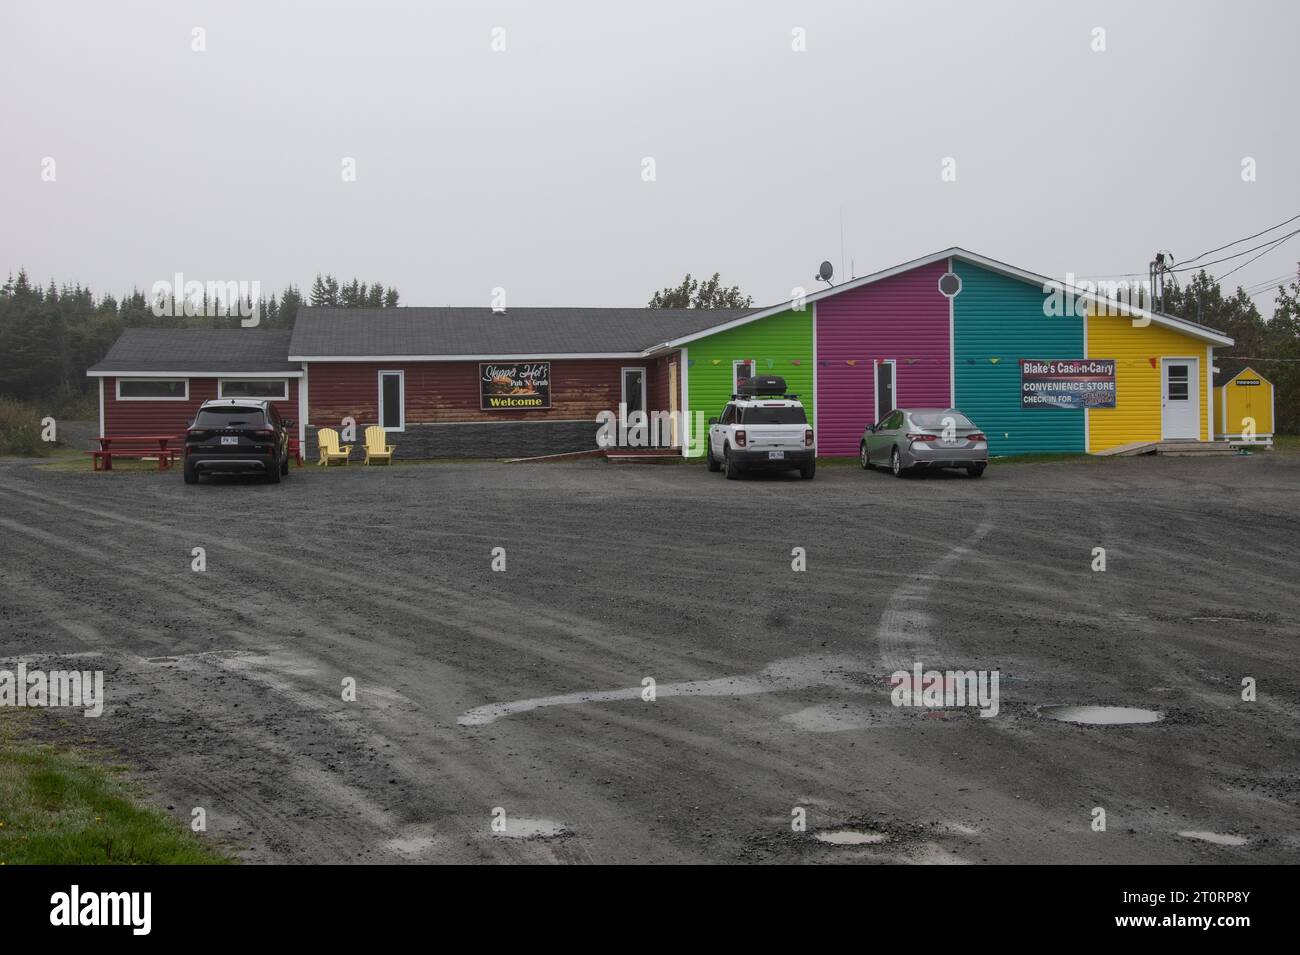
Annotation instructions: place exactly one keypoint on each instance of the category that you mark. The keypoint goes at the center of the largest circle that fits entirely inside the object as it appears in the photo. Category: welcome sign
(1067, 383)
(513, 387)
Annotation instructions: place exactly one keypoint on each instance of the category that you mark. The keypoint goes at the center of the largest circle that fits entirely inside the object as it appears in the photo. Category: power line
(1285, 276)
(1239, 241)
(1265, 252)
(1237, 255)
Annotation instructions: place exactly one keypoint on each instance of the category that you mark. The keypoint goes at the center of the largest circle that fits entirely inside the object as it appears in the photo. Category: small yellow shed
(1243, 407)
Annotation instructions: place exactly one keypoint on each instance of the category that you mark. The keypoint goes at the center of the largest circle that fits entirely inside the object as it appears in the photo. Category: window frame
(221, 384)
(121, 397)
(736, 363)
(622, 389)
(401, 403)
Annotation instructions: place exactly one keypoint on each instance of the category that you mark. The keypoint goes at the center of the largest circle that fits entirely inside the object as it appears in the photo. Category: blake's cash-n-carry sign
(514, 387)
(1067, 383)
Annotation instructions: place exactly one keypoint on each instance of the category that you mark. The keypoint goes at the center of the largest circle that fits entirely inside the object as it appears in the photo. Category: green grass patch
(76, 461)
(57, 807)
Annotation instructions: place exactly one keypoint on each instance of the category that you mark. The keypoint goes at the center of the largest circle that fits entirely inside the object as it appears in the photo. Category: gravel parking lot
(518, 695)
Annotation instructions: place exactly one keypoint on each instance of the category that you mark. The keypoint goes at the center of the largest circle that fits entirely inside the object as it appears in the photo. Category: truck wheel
(806, 471)
(733, 471)
(714, 466)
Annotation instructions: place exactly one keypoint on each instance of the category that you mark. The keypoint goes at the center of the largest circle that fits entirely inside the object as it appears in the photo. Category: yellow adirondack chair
(377, 445)
(330, 450)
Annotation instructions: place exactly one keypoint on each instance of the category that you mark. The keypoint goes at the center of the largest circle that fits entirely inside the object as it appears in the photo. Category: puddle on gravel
(850, 837)
(832, 719)
(1101, 715)
(517, 828)
(1218, 838)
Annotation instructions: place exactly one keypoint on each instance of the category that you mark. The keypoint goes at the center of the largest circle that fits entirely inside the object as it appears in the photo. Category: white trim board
(547, 356)
(194, 374)
(685, 372)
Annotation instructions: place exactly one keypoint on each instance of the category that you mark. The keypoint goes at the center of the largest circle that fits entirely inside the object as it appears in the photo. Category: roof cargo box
(763, 385)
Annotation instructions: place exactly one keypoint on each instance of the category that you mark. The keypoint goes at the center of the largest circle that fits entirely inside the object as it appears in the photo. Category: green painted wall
(999, 317)
(774, 343)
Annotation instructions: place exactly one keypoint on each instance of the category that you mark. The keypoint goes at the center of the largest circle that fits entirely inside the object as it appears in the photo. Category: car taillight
(976, 436)
(264, 433)
(922, 437)
(808, 438)
(740, 440)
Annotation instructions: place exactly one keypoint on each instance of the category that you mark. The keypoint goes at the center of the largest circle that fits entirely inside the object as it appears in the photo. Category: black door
(390, 400)
(884, 389)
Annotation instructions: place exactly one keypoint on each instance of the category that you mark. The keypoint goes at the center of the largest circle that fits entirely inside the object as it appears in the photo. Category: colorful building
(1040, 367)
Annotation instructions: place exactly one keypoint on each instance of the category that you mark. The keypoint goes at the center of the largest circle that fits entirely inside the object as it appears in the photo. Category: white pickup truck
(762, 427)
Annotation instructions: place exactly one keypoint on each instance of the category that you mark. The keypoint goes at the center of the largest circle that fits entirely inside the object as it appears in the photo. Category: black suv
(237, 436)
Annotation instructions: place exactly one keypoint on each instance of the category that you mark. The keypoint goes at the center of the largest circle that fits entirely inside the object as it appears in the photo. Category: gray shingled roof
(391, 332)
(198, 350)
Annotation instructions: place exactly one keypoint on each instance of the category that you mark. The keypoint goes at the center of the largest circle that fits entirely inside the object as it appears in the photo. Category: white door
(1180, 398)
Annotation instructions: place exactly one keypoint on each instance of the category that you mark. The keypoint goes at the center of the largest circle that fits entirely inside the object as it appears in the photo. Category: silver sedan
(921, 438)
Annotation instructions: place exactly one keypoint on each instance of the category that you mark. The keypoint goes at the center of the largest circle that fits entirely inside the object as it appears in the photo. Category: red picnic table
(134, 446)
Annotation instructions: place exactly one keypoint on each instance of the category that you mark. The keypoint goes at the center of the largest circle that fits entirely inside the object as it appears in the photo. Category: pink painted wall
(904, 317)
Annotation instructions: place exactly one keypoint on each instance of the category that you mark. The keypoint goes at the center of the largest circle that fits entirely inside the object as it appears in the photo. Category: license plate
(229, 439)
(776, 455)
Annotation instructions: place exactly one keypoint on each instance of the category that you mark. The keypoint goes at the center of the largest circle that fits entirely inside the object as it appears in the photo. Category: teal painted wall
(775, 343)
(999, 317)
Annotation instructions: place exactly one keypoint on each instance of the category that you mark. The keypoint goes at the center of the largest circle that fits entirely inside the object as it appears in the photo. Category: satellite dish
(825, 271)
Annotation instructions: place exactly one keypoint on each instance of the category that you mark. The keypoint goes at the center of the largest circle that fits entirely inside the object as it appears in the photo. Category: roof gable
(1189, 328)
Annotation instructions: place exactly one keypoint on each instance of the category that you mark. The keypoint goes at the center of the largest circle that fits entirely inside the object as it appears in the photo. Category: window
(275, 389)
(728, 415)
(230, 418)
(938, 419)
(153, 389)
(741, 371)
(1178, 383)
(781, 414)
(392, 400)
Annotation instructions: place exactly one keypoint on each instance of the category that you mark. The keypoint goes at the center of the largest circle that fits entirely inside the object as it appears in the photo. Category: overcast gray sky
(523, 168)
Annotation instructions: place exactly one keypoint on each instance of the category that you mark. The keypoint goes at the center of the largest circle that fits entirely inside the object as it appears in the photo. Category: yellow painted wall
(1136, 415)
(1244, 402)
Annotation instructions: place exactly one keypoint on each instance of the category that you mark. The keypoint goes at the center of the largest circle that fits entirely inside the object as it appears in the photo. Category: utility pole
(1156, 270)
